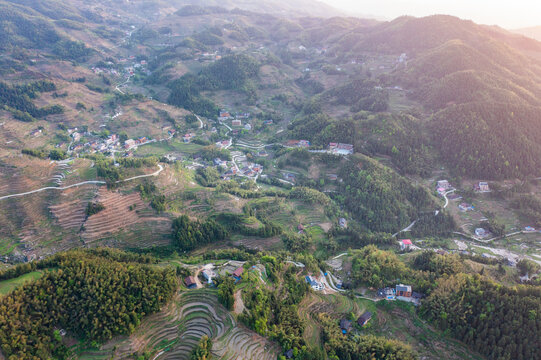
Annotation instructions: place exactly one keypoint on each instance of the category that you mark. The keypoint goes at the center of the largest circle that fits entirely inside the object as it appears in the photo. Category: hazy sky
(506, 13)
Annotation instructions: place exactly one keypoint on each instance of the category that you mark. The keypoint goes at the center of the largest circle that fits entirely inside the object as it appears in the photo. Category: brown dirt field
(239, 304)
(314, 171)
(115, 216)
(70, 212)
(232, 204)
(326, 226)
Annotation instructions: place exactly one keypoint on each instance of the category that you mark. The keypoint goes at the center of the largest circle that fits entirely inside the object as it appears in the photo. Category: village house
(267, 122)
(224, 115)
(188, 137)
(405, 244)
(129, 143)
(403, 290)
(480, 232)
(364, 318)
(220, 162)
(332, 177)
(465, 207)
(482, 187)
(316, 285)
(529, 229)
(208, 275)
(223, 144)
(290, 177)
(345, 326)
(388, 293)
(298, 143)
(343, 223)
(238, 273)
(242, 115)
(444, 184)
(36, 132)
(248, 127)
(190, 282)
(236, 122)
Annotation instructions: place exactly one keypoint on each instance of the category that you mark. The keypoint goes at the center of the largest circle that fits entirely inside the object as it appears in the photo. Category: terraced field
(70, 213)
(115, 216)
(336, 305)
(174, 332)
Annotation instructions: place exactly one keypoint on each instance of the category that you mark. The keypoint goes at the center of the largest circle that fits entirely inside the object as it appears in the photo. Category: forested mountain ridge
(450, 62)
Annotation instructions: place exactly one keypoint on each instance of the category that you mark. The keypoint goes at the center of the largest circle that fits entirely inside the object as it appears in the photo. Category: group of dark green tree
(93, 295)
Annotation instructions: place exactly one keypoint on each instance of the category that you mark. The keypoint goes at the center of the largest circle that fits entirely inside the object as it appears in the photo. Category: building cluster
(482, 187)
(312, 281)
(443, 186)
(96, 143)
(187, 138)
(298, 143)
(208, 274)
(400, 292)
(251, 170)
(341, 149)
(207, 56)
(226, 115)
(347, 325)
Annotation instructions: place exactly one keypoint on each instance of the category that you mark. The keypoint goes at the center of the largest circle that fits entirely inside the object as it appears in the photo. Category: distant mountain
(532, 32)
(480, 82)
(285, 8)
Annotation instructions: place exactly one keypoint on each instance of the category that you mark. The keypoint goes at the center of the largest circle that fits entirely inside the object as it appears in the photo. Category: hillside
(451, 62)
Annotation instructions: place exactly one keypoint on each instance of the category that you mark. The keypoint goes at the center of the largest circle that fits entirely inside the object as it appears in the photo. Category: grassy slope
(8, 286)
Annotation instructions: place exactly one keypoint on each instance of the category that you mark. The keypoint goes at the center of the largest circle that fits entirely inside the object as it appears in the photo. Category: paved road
(446, 198)
(91, 182)
(408, 228)
(200, 121)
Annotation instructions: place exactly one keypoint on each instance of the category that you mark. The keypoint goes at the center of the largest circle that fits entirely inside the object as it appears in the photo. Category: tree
(203, 351)
(226, 292)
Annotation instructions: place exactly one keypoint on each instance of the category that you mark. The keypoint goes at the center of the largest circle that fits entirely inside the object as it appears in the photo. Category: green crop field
(8, 286)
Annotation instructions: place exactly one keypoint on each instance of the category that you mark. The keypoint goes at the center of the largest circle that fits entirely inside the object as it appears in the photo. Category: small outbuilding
(345, 325)
(190, 282)
(364, 318)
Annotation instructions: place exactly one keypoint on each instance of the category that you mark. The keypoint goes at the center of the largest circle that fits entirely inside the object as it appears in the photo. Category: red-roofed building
(405, 244)
(237, 273)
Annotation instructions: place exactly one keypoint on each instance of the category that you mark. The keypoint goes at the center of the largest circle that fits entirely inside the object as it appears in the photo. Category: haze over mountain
(532, 32)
